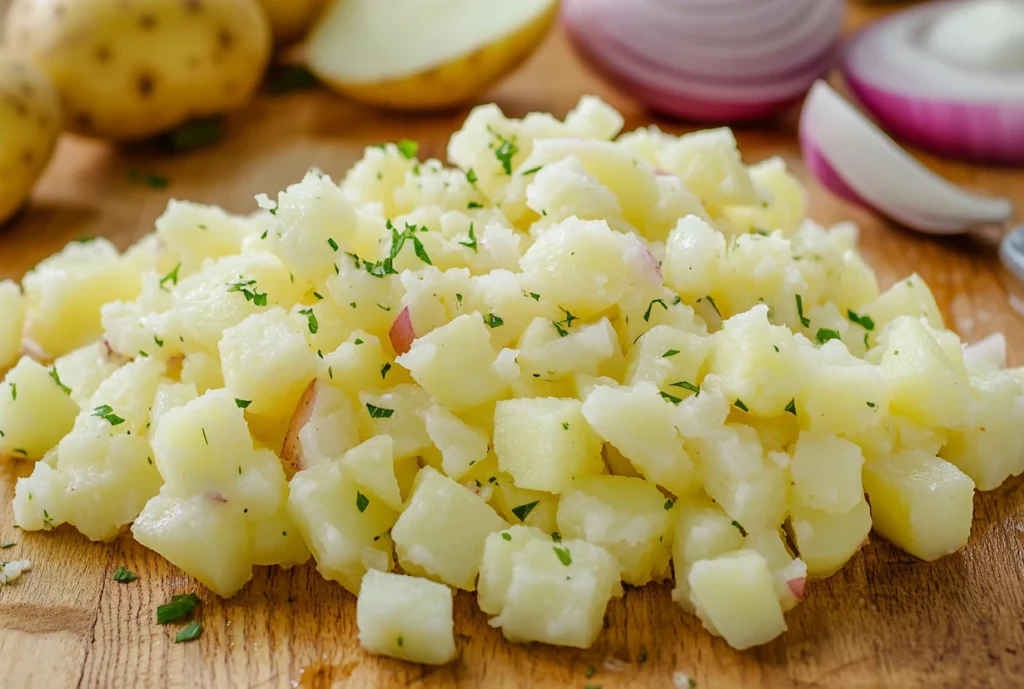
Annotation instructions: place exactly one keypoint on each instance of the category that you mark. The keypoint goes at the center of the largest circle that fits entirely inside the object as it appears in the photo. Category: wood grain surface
(885, 620)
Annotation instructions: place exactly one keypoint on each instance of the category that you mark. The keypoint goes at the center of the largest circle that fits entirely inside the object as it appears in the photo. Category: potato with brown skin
(289, 19)
(128, 69)
(30, 122)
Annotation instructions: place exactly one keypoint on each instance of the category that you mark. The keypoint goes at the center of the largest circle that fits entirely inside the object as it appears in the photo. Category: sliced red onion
(963, 99)
(853, 158)
(708, 60)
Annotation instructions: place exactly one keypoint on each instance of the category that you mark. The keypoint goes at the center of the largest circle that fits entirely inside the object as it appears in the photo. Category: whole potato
(289, 19)
(30, 123)
(128, 69)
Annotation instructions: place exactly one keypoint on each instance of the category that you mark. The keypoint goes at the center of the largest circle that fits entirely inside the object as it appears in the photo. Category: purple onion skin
(823, 171)
(990, 134)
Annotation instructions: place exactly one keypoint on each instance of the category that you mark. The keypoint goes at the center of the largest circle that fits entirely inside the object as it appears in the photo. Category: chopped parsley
(471, 177)
(384, 370)
(319, 297)
(506, 535)
(523, 511)
(563, 555)
(713, 305)
(105, 411)
(800, 312)
(242, 404)
(670, 398)
(171, 277)
(791, 407)
(401, 641)
(871, 404)
(671, 352)
(565, 425)
(408, 148)
(56, 379)
(249, 290)
(379, 412)
(123, 575)
(826, 334)
(531, 171)
(143, 353)
(739, 527)
(386, 266)
(179, 607)
(569, 318)
(865, 322)
(505, 151)
(493, 321)
(331, 243)
(358, 341)
(362, 502)
(533, 295)
(205, 439)
(685, 385)
(472, 239)
(158, 341)
(647, 313)
(739, 405)
(190, 632)
(669, 503)
(311, 320)
(474, 205)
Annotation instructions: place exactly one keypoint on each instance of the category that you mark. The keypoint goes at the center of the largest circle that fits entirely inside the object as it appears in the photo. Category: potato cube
(65, 292)
(545, 353)
(991, 447)
(84, 369)
(501, 549)
(921, 503)
(454, 363)
(735, 597)
(694, 255)
(826, 473)
(586, 267)
(921, 381)
(751, 488)
(324, 425)
(189, 233)
(709, 163)
(758, 363)
(461, 445)
(641, 425)
(789, 574)
(825, 540)
(357, 363)
(522, 506)
(628, 517)
(703, 531)
(406, 617)
(666, 356)
(843, 394)
(545, 443)
(442, 531)
(12, 320)
(35, 411)
(203, 371)
(909, 297)
(266, 361)
(344, 528)
(397, 412)
(372, 465)
(558, 593)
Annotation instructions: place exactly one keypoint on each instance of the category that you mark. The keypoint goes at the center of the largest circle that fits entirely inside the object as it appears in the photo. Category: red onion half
(946, 76)
(708, 60)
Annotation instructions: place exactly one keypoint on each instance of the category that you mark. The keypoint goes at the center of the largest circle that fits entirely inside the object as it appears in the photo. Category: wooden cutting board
(885, 620)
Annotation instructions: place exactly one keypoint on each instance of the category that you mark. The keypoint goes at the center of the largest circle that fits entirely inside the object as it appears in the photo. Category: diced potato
(641, 425)
(709, 164)
(921, 503)
(545, 443)
(544, 352)
(346, 530)
(13, 307)
(735, 597)
(826, 541)
(758, 363)
(585, 267)
(357, 364)
(35, 411)
(667, 358)
(372, 465)
(454, 363)
(323, 427)
(694, 256)
(991, 447)
(461, 445)
(406, 617)
(908, 297)
(789, 574)
(501, 549)
(373, 302)
(190, 233)
(169, 396)
(843, 394)
(628, 517)
(84, 369)
(266, 360)
(203, 371)
(558, 593)
(397, 412)
(65, 292)
(826, 473)
(442, 531)
(921, 382)
(736, 474)
(702, 531)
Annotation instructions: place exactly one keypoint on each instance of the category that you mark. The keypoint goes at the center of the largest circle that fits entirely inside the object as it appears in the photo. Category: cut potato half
(423, 54)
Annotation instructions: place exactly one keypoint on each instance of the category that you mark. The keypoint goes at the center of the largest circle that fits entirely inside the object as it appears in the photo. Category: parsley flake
(669, 503)
(408, 148)
(505, 151)
(523, 511)
(123, 575)
(362, 502)
(242, 404)
(670, 398)
(826, 334)
(473, 205)
(739, 405)
(249, 290)
(190, 632)
(472, 239)
(713, 305)
(471, 177)
(791, 407)
(171, 277)
(563, 555)
(331, 243)
(105, 411)
(493, 321)
(506, 535)
(685, 385)
(384, 370)
(800, 312)
(647, 313)
(179, 607)
(311, 321)
(56, 379)
(739, 527)
(531, 171)
(671, 352)
(865, 322)
(379, 412)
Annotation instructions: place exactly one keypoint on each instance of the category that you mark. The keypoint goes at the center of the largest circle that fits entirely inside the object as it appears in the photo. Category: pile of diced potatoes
(571, 361)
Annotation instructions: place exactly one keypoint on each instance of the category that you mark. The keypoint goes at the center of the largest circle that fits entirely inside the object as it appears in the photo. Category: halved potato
(410, 54)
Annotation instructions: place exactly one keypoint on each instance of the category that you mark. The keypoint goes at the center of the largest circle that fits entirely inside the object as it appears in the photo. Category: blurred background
(108, 108)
